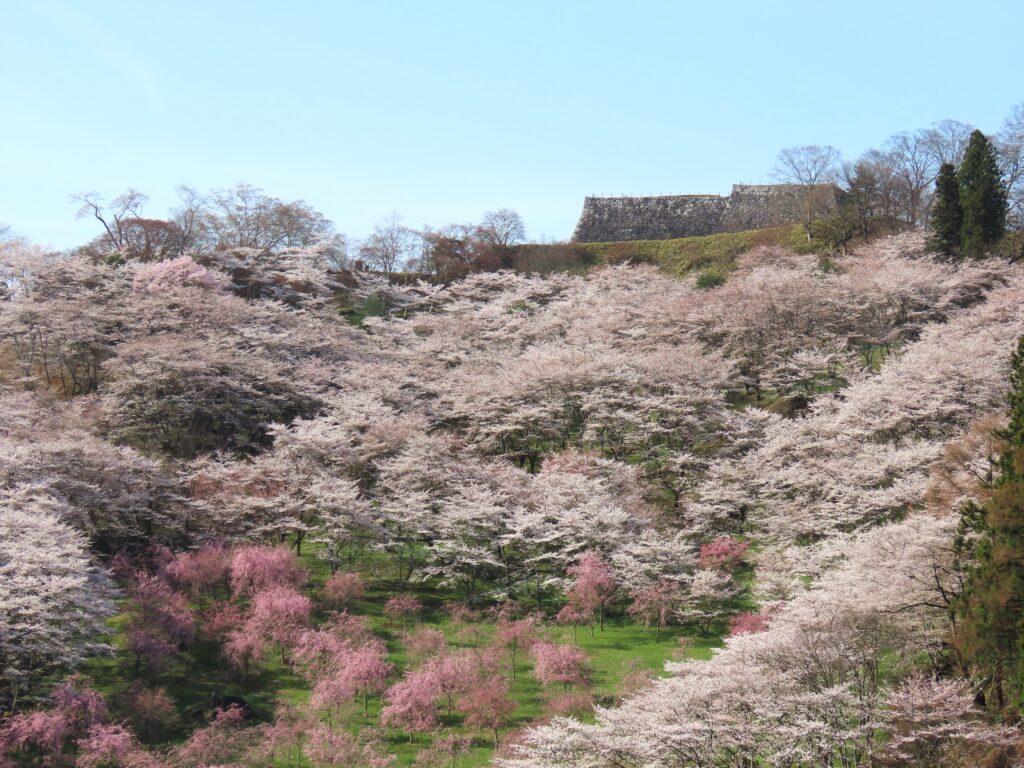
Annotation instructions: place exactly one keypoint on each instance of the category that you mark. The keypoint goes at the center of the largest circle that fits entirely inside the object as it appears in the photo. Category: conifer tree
(948, 216)
(982, 197)
(990, 638)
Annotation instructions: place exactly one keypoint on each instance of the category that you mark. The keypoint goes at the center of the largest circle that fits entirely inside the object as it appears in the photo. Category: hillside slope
(855, 504)
(481, 522)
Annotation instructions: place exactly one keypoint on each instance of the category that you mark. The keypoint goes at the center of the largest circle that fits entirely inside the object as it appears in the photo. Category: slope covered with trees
(268, 534)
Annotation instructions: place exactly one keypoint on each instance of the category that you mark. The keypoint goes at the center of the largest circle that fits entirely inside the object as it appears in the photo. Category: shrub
(710, 278)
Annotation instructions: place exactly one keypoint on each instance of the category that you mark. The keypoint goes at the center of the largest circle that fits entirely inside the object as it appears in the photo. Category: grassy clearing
(621, 649)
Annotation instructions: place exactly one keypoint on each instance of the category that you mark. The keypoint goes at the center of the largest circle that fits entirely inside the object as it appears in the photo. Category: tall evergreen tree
(990, 637)
(948, 216)
(982, 196)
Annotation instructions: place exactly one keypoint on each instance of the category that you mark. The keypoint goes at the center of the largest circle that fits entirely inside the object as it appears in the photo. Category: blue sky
(442, 110)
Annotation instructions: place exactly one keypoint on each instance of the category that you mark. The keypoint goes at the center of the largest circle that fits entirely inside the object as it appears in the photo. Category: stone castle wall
(748, 206)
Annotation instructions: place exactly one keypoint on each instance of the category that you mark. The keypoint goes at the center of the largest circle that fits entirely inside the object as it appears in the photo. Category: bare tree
(242, 217)
(947, 141)
(1010, 143)
(190, 218)
(331, 252)
(113, 216)
(247, 217)
(807, 165)
(813, 167)
(502, 230)
(872, 189)
(126, 232)
(390, 245)
(915, 164)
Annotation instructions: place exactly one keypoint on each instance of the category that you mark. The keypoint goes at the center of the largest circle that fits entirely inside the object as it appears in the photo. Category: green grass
(714, 256)
(372, 306)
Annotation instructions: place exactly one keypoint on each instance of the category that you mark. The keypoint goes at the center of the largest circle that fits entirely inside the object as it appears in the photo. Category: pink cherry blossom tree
(453, 674)
(329, 748)
(278, 615)
(258, 568)
(333, 748)
(487, 705)
(571, 704)
(202, 570)
(515, 636)
(359, 672)
(748, 623)
(113, 745)
(219, 619)
(411, 703)
(80, 704)
(317, 652)
(160, 623)
(571, 616)
(466, 621)
(565, 664)
(151, 713)
(41, 734)
(173, 273)
(368, 669)
(402, 607)
(243, 649)
(283, 737)
(655, 604)
(423, 644)
(227, 739)
(593, 588)
(724, 553)
(444, 751)
(342, 589)
(47, 734)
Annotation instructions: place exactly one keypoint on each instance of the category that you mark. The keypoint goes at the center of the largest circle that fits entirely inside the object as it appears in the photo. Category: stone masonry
(748, 206)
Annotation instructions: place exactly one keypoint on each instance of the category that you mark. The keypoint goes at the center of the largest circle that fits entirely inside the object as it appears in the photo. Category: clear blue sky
(442, 110)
